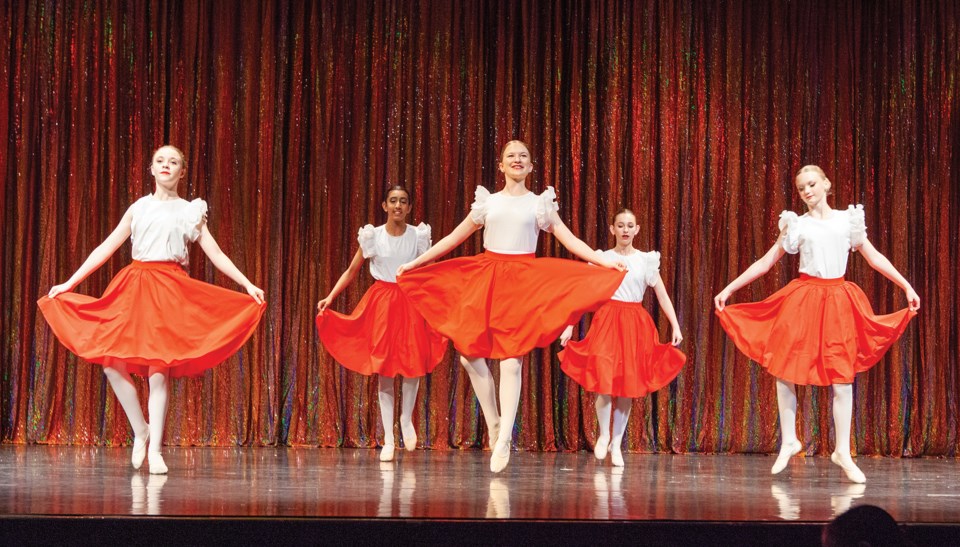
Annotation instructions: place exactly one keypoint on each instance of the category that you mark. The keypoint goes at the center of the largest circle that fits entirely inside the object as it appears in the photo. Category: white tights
(409, 388)
(842, 414)
(126, 392)
(486, 390)
(620, 417)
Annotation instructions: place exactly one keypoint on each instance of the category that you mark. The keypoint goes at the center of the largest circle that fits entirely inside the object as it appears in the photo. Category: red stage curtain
(294, 117)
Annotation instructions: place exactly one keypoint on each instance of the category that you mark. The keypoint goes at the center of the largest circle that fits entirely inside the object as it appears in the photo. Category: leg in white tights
(789, 444)
(842, 416)
(510, 383)
(620, 417)
(410, 386)
(386, 397)
(126, 392)
(486, 392)
(603, 404)
(157, 405)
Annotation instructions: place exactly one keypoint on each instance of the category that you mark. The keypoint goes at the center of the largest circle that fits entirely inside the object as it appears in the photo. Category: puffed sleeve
(651, 268)
(858, 226)
(478, 209)
(423, 238)
(791, 222)
(546, 206)
(366, 236)
(194, 217)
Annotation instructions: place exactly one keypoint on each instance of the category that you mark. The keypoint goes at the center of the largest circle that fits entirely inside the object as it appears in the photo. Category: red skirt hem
(500, 306)
(814, 331)
(153, 315)
(384, 335)
(621, 355)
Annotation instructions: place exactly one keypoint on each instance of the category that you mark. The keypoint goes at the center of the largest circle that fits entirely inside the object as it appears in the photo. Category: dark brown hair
(397, 187)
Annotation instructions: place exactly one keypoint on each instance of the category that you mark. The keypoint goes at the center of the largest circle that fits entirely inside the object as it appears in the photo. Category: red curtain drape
(294, 117)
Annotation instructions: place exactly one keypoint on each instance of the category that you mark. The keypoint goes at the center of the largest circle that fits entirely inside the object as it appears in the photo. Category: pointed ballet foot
(850, 469)
(386, 453)
(600, 449)
(616, 456)
(139, 450)
(787, 451)
(156, 463)
(409, 437)
(500, 457)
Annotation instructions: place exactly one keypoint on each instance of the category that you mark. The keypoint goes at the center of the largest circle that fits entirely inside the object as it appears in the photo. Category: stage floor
(298, 483)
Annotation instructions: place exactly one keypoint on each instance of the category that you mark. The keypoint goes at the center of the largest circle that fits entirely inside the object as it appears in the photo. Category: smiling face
(812, 185)
(167, 167)
(397, 205)
(515, 161)
(624, 228)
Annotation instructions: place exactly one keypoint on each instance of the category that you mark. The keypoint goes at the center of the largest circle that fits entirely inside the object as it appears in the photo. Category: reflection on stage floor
(69, 494)
(304, 482)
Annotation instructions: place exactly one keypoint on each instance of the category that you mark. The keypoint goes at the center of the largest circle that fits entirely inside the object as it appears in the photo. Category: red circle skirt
(384, 335)
(500, 306)
(152, 314)
(814, 331)
(621, 355)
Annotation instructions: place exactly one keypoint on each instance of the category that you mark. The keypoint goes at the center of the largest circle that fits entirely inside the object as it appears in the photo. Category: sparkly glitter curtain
(295, 116)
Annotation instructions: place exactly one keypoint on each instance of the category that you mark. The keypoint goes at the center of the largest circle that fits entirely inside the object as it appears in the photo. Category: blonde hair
(816, 169)
(811, 167)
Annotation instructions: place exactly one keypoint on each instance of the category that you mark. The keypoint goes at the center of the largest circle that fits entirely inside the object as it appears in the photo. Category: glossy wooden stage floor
(48, 487)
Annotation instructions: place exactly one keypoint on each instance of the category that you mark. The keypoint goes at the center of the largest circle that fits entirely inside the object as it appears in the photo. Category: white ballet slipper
(500, 457)
(493, 433)
(157, 465)
(386, 453)
(600, 449)
(787, 451)
(850, 469)
(616, 456)
(409, 438)
(139, 450)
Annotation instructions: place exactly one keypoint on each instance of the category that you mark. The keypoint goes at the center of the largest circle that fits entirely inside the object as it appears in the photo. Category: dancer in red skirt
(153, 319)
(621, 357)
(820, 329)
(505, 302)
(384, 335)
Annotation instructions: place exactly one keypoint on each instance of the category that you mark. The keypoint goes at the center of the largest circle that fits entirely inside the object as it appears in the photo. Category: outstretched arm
(459, 234)
(225, 265)
(880, 263)
(755, 270)
(101, 254)
(576, 246)
(667, 306)
(345, 279)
